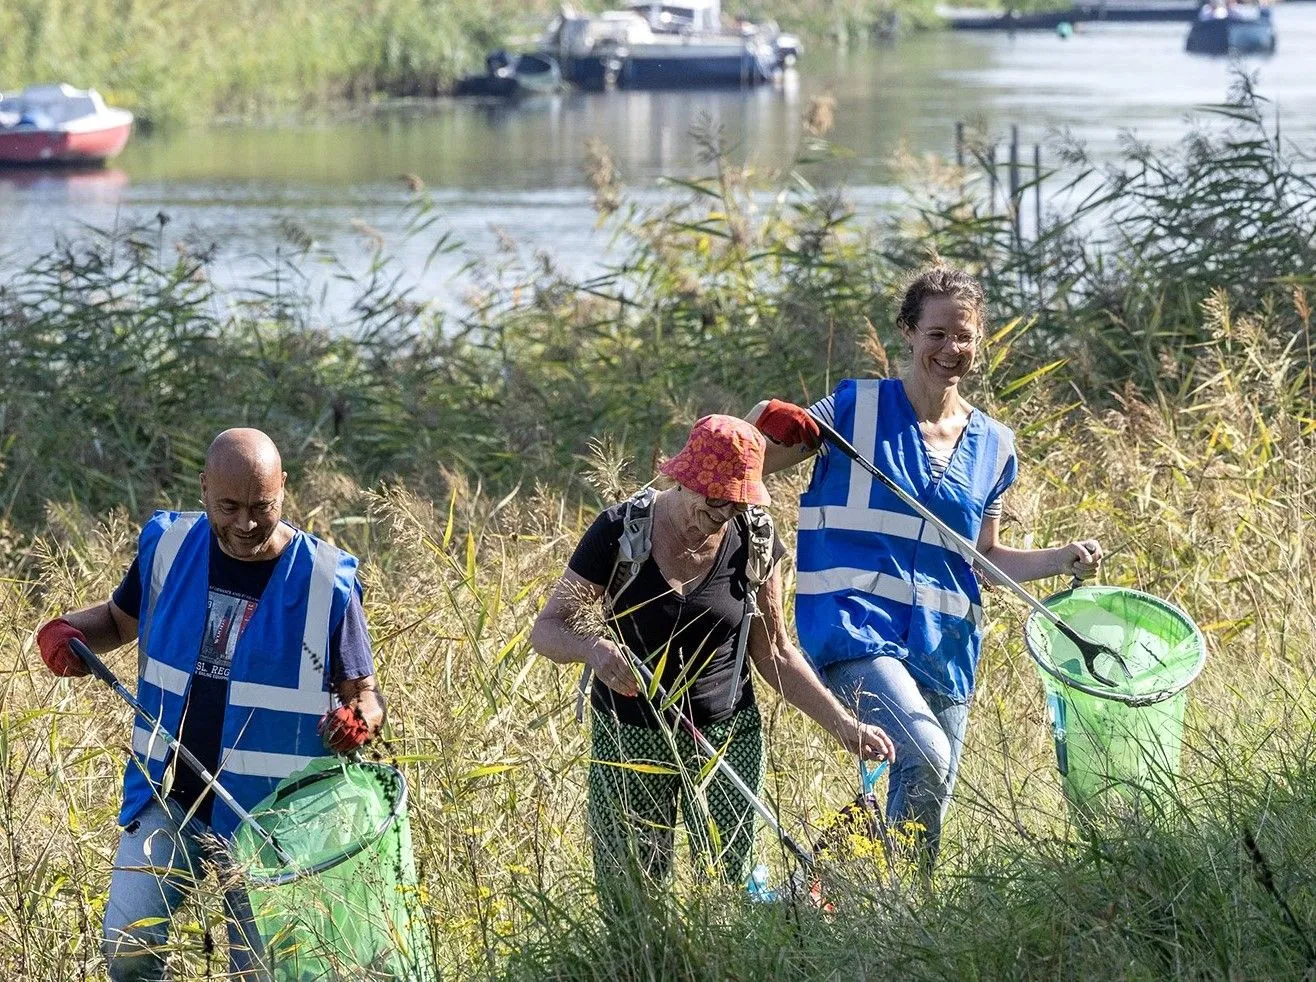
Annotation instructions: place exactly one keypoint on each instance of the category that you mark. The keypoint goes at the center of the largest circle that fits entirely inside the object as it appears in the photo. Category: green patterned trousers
(636, 783)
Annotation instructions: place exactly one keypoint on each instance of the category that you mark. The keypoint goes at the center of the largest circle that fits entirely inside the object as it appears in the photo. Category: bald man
(253, 652)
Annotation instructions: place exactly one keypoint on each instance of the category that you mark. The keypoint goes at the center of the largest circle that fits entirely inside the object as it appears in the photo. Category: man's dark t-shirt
(235, 589)
(697, 632)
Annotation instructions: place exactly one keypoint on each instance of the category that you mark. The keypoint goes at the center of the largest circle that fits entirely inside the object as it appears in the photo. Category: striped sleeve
(824, 410)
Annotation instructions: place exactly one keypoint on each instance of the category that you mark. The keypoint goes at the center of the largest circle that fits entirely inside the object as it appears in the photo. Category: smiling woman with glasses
(688, 582)
(889, 613)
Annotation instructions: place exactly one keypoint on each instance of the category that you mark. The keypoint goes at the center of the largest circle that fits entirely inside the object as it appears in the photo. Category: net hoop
(1133, 699)
(262, 880)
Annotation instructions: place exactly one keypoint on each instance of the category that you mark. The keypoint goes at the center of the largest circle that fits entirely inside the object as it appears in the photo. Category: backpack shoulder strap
(633, 548)
(759, 533)
(634, 545)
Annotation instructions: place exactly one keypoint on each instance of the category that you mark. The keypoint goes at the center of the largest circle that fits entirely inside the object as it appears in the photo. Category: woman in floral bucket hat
(680, 610)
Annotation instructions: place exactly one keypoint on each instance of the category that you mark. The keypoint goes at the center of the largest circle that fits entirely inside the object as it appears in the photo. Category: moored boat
(58, 124)
(678, 44)
(512, 74)
(1232, 28)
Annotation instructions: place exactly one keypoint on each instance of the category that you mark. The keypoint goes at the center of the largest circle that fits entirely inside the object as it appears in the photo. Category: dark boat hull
(1226, 36)
(637, 69)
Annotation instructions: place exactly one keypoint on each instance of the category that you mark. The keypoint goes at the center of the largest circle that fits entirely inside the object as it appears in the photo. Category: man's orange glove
(789, 424)
(53, 640)
(343, 730)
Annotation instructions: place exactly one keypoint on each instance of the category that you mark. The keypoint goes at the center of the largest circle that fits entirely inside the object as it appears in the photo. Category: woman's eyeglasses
(719, 503)
(937, 337)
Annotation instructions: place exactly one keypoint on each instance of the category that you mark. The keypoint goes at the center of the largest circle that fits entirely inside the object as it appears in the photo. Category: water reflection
(71, 183)
(519, 165)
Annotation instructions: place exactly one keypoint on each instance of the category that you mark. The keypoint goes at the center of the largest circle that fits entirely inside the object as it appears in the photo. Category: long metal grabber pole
(102, 672)
(729, 772)
(1087, 647)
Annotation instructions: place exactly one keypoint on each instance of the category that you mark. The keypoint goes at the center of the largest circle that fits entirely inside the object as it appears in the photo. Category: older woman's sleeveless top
(875, 578)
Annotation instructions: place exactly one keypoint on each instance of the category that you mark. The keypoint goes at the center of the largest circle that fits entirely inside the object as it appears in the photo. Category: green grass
(183, 62)
(1152, 353)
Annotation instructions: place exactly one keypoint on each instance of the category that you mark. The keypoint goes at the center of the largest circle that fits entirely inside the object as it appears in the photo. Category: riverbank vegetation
(178, 63)
(1151, 347)
(184, 64)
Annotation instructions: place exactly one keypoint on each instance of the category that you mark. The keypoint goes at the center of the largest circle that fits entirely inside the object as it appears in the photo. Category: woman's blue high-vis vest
(278, 687)
(875, 578)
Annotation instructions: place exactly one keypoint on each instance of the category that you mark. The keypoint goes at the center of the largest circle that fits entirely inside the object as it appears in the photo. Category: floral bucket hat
(723, 458)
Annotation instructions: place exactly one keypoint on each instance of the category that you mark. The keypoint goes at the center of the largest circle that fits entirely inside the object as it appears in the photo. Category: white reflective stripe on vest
(887, 587)
(863, 439)
(166, 551)
(165, 677)
(257, 763)
(877, 520)
(310, 696)
(148, 742)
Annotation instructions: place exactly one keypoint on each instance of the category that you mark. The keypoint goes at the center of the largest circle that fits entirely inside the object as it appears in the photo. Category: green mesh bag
(1117, 745)
(348, 907)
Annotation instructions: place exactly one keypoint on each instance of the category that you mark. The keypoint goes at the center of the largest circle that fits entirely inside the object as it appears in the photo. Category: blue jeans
(155, 868)
(927, 729)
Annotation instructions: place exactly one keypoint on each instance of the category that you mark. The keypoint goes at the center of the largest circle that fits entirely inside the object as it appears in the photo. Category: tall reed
(1170, 413)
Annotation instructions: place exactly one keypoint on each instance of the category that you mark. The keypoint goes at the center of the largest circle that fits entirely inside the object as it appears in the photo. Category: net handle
(344, 854)
(1134, 700)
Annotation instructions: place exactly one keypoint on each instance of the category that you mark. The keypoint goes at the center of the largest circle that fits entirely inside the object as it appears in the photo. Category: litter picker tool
(1089, 649)
(102, 672)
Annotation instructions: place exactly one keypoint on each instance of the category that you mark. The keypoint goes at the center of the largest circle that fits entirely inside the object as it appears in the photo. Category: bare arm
(562, 633)
(364, 696)
(1081, 559)
(779, 456)
(105, 626)
(781, 664)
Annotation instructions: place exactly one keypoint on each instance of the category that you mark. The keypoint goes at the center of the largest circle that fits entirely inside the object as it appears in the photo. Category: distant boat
(787, 48)
(58, 124)
(512, 74)
(678, 44)
(1222, 29)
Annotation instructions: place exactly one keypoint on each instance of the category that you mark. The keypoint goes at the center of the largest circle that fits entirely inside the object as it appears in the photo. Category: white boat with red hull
(58, 124)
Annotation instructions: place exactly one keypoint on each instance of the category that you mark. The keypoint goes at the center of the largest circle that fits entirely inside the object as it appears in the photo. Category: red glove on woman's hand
(343, 730)
(789, 425)
(53, 640)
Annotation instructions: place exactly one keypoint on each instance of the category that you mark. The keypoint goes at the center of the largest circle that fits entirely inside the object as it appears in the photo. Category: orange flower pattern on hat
(723, 458)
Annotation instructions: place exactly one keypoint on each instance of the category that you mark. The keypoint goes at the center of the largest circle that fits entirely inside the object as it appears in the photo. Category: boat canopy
(55, 104)
(686, 15)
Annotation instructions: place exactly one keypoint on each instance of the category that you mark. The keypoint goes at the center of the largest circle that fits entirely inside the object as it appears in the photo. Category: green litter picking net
(1116, 744)
(348, 906)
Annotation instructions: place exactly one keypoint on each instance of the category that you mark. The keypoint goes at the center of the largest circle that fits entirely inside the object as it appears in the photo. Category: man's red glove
(789, 425)
(53, 640)
(343, 730)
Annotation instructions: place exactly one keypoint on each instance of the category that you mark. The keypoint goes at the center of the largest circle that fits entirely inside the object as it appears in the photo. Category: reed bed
(187, 63)
(1163, 399)
(182, 64)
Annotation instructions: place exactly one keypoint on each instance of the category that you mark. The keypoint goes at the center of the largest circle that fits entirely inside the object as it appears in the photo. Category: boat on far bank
(676, 44)
(58, 124)
(1232, 28)
(513, 74)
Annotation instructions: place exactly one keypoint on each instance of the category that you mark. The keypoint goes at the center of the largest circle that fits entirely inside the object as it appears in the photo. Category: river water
(514, 173)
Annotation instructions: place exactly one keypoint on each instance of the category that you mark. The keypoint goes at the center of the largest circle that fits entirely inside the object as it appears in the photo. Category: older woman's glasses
(719, 503)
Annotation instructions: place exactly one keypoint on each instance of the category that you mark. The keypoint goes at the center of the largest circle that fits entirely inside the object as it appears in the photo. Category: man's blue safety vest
(278, 687)
(875, 578)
